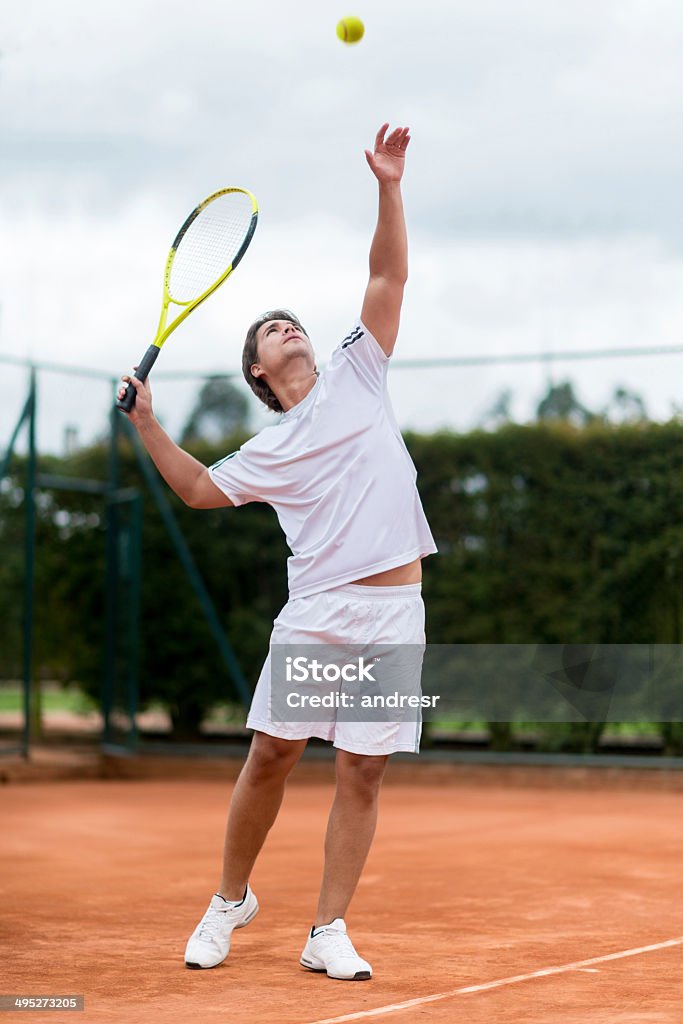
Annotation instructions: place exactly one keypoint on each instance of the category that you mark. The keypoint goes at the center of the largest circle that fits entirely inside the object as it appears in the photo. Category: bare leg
(254, 806)
(350, 831)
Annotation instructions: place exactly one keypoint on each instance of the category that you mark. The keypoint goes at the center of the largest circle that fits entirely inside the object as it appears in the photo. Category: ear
(255, 370)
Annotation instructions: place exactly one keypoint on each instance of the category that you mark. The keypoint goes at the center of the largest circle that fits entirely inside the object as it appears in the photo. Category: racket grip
(146, 363)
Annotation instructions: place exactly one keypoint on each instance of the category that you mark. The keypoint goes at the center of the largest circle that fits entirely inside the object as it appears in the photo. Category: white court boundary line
(514, 980)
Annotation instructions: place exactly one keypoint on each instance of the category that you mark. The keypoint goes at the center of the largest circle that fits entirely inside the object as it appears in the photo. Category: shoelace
(211, 923)
(341, 944)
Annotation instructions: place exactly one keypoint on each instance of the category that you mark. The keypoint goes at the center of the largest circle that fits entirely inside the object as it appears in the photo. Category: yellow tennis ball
(350, 30)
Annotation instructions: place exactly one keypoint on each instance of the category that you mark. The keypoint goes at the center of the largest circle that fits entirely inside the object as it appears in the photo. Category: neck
(290, 393)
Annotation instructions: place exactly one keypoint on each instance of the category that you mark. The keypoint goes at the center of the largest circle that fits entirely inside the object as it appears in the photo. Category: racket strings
(209, 246)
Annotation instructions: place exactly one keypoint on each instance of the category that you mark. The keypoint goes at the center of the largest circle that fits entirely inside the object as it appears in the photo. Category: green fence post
(24, 743)
(31, 697)
(134, 571)
(111, 581)
(25, 413)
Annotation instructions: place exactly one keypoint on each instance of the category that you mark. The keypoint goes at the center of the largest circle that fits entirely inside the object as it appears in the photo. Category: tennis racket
(206, 250)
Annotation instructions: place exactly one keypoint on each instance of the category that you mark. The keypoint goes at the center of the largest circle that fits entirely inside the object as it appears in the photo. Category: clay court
(539, 897)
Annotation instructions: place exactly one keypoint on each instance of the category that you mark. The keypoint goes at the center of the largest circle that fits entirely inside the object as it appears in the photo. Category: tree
(560, 404)
(625, 407)
(220, 410)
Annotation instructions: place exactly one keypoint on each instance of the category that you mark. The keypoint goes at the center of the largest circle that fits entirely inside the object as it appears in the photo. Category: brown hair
(250, 356)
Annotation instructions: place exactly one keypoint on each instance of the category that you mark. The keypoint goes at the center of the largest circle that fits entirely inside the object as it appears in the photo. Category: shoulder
(360, 336)
(360, 353)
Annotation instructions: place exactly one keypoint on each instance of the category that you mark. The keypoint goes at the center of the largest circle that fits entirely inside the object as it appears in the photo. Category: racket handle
(147, 362)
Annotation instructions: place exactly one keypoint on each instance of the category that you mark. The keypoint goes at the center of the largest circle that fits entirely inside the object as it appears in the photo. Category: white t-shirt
(338, 474)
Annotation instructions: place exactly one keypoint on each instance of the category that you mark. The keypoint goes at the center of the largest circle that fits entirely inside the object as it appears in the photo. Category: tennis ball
(350, 30)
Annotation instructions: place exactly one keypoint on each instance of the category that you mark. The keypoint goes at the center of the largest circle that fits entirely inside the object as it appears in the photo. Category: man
(340, 478)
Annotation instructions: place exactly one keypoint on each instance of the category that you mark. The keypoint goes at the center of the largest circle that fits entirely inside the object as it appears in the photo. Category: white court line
(514, 980)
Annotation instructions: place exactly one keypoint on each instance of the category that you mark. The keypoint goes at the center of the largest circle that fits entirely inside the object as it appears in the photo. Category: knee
(360, 775)
(271, 757)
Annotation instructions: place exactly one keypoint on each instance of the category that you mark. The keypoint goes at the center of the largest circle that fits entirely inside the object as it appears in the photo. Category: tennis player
(338, 474)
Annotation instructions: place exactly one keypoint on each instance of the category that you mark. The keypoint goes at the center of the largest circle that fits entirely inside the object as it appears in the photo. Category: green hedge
(547, 534)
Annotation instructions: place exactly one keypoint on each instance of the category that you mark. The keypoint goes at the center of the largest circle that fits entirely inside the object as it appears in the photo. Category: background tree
(560, 405)
(220, 409)
(625, 407)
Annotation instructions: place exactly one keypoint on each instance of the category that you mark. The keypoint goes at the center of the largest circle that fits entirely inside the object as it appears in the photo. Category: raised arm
(184, 474)
(381, 312)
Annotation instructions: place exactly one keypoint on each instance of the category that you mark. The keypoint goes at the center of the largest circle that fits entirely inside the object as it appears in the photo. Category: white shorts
(350, 615)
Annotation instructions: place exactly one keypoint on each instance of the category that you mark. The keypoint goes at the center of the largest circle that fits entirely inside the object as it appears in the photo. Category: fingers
(139, 385)
(124, 387)
(399, 138)
(379, 137)
(396, 142)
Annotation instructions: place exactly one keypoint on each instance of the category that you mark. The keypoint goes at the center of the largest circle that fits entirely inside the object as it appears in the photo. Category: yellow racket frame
(163, 331)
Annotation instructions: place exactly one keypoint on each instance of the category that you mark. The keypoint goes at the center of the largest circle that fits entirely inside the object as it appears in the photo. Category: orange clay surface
(467, 883)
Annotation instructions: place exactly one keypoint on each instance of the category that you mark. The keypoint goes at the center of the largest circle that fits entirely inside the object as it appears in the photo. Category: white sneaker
(329, 949)
(209, 943)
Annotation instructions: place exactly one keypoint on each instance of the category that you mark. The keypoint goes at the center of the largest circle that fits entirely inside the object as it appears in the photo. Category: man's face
(278, 343)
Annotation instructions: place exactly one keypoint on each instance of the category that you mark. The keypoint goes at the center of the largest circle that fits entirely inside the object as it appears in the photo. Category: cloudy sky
(543, 190)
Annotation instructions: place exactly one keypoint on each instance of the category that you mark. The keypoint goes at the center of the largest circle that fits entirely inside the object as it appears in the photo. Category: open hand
(388, 160)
